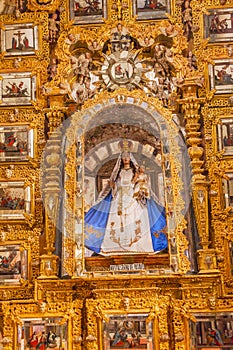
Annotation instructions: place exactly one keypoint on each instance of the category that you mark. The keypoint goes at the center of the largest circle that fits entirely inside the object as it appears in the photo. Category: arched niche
(84, 161)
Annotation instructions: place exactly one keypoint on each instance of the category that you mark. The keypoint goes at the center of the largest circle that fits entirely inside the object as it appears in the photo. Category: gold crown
(125, 145)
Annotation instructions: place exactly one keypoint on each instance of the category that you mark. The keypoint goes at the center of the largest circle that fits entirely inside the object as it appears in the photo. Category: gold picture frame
(14, 263)
(127, 331)
(17, 142)
(16, 200)
(221, 76)
(19, 39)
(51, 332)
(17, 89)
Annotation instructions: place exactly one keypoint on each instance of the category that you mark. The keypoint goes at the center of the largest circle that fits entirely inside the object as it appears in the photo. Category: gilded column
(51, 184)
(190, 105)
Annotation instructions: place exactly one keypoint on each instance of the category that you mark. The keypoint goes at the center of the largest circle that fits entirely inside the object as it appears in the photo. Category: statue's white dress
(128, 227)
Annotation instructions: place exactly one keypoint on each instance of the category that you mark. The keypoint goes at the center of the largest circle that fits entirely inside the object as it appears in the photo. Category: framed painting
(218, 25)
(17, 89)
(225, 136)
(151, 9)
(231, 257)
(13, 263)
(8, 7)
(15, 200)
(128, 331)
(19, 39)
(84, 11)
(228, 190)
(212, 331)
(16, 143)
(42, 333)
(221, 76)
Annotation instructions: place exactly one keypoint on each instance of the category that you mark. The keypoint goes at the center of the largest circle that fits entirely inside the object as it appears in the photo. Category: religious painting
(17, 89)
(225, 136)
(42, 333)
(15, 200)
(128, 331)
(231, 256)
(218, 25)
(151, 9)
(19, 39)
(13, 263)
(212, 331)
(221, 76)
(228, 190)
(84, 11)
(16, 143)
(8, 7)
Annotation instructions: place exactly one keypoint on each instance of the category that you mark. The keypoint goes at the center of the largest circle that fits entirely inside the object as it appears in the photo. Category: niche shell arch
(134, 111)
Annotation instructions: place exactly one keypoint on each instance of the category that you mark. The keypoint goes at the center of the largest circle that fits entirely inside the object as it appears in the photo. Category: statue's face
(125, 158)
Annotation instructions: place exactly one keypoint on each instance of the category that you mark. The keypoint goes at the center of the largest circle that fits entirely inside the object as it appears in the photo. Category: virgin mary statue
(127, 217)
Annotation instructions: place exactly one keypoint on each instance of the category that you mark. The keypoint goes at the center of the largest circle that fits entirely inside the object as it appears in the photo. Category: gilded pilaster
(190, 106)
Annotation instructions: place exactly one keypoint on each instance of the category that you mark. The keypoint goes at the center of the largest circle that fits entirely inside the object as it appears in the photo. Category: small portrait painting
(225, 136)
(151, 9)
(16, 143)
(13, 263)
(228, 189)
(127, 332)
(14, 200)
(89, 11)
(212, 331)
(19, 39)
(42, 333)
(221, 76)
(218, 25)
(8, 7)
(17, 89)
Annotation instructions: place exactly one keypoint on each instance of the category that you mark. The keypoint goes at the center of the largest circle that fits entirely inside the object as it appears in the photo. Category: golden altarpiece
(90, 257)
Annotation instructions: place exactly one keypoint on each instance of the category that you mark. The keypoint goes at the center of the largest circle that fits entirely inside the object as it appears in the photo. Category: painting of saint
(127, 217)
(221, 76)
(15, 200)
(218, 25)
(17, 89)
(13, 263)
(15, 143)
(92, 11)
(127, 332)
(12, 199)
(151, 9)
(8, 7)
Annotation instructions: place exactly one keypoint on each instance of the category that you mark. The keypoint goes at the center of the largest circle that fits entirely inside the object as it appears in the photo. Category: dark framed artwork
(44, 333)
(17, 89)
(16, 143)
(151, 9)
(127, 331)
(15, 200)
(218, 25)
(212, 331)
(19, 39)
(88, 11)
(221, 76)
(13, 263)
